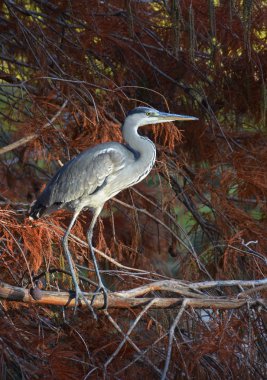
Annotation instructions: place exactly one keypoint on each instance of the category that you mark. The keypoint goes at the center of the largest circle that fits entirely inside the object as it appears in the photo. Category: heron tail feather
(36, 211)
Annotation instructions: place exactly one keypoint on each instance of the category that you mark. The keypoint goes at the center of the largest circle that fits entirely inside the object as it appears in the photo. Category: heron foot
(101, 289)
(79, 295)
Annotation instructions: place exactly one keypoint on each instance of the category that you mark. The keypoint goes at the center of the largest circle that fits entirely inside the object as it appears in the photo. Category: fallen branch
(128, 299)
(187, 288)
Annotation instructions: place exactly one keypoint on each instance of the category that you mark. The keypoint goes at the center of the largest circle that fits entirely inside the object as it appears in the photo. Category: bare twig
(115, 353)
(129, 340)
(142, 354)
(33, 136)
(171, 336)
(144, 211)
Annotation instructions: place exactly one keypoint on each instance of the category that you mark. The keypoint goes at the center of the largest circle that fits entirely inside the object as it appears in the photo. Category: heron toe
(101, 289)
(79, 295)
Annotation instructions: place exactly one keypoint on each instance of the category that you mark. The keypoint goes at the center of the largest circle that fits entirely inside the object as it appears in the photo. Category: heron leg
(101, 287)
(78, 293)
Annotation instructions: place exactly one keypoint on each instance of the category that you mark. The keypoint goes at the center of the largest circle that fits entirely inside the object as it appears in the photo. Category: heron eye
(148, 113)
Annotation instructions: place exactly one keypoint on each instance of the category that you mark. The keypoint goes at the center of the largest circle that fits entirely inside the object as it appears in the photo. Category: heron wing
(85, 174)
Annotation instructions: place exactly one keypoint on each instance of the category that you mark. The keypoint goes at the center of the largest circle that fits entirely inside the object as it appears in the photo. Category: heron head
(145, 115)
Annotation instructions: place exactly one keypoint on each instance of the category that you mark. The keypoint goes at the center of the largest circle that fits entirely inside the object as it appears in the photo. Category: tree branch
(131, 298)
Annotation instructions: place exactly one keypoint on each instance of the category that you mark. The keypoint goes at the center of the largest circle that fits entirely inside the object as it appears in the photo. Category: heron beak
(162, 116)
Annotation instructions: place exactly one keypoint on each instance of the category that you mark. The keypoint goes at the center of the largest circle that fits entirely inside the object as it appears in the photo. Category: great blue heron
(98, 174)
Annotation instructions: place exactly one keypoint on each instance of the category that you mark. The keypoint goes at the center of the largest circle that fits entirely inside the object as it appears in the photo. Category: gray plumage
(89, 178)
(98, 174)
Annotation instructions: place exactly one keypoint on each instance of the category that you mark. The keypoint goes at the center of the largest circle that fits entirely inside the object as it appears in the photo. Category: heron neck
(140, 144)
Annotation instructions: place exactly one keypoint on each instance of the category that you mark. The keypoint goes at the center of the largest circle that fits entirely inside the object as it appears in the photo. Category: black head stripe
(140, 110)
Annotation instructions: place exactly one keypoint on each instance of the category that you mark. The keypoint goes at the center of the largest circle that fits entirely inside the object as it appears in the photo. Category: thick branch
(119, 299)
